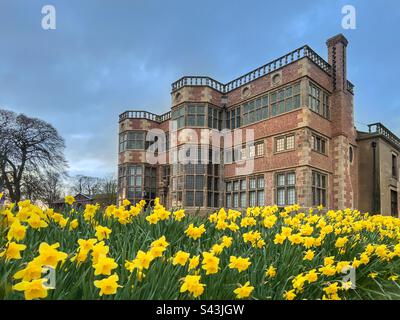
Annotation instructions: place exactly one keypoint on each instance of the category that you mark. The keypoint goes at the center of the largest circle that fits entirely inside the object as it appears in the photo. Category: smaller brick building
(378, 170)
(296, 114)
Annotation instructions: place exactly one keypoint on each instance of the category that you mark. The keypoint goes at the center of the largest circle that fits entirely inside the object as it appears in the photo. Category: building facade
(304, 147)
(379, 170)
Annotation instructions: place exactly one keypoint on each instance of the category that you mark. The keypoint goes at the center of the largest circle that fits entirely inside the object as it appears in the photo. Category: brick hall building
(306, 148)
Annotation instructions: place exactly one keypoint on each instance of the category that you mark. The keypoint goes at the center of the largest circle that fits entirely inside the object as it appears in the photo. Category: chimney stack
(337, 59)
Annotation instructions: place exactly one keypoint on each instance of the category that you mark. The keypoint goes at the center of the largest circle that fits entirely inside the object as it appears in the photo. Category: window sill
(288, 150)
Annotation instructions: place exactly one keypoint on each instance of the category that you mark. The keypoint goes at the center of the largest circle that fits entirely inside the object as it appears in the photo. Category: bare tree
(86, 185)
(109, 188)
(27, 145)
(47, 186)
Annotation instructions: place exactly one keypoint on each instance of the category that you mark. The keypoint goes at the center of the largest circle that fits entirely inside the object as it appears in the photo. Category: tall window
(314, 97)
(326, 110)
(256, 150)
(318, 101)
(178, 115)
(134, 178)
(214, 118)
(140, 182)
(394, 205)
(318, 143)
(259, 148)
(255, 110)
(394, 166)
(319, 186)
(150, 182)
(131, 140)
(260, 191)
(285, 184)
(284, 143)
(212, 185)
(256, 191)
(194, 184)
(238, 191)
(243, 197)
(233, 119)
(195, 115)
(285, 99)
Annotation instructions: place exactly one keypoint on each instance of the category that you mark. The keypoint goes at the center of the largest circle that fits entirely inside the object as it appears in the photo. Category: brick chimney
(337, 59)
(341, 99)
(343, 131)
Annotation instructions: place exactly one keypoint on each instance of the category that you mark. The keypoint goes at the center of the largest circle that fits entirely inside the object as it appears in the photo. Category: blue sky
(106, 57)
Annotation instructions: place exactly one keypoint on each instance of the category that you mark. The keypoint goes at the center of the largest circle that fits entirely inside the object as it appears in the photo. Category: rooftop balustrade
(379, 128)
(274, 65)
(145, 115)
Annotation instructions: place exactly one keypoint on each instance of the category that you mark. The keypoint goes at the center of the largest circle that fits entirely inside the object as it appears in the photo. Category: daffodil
(36, 222)
(195, 232)
(341, 242)
(244, 291)
(69, 200)
(271, 272)
(13, 251)
(192, 284)
(226, 241)
(239, 263)
(210, 263)
(179, 215)
(104, 266)
(34, 289)
(180, 258)
(49, 255)
(289, 295)
(99, 249)
(309, 255)
(32, 271)
(102, 232)
(194, 262)
(108, 286)
(17, 231)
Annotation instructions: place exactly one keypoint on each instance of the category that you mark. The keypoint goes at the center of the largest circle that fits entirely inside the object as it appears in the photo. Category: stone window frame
(315, 137)
(255, 110)
(211, 115)
(351, 154)
(316, 94)
(257, 145)
(391, 191)
(288, 93)
(233, 118)
(181, 175)
(264, 107)
(214, 117)
(285, 143)
(244, 152)
(194, 110)
(395, 165)
(147, 192)
(124, 140)
(231, 192)
(178, 114)
(319, 188)
(286, 186)
(245, 188)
